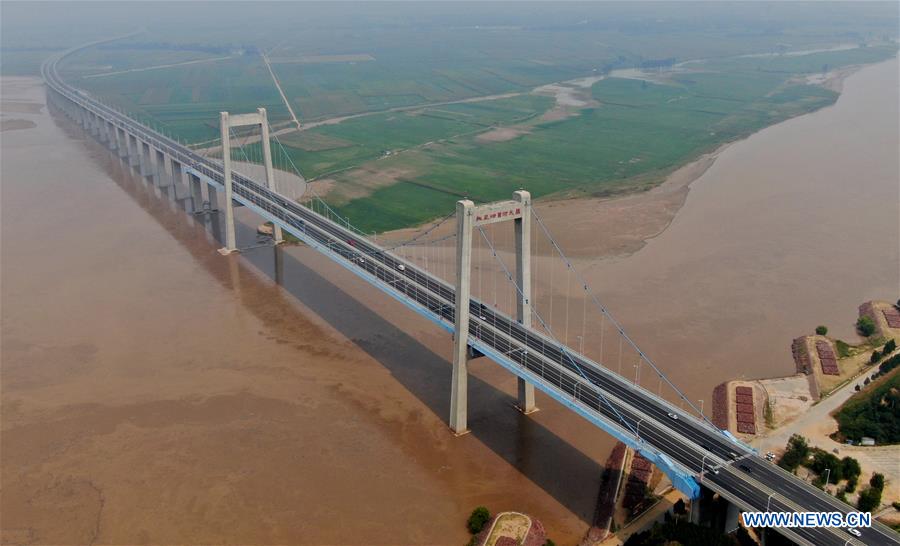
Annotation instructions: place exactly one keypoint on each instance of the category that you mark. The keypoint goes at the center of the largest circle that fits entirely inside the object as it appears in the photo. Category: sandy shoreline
(627, 221)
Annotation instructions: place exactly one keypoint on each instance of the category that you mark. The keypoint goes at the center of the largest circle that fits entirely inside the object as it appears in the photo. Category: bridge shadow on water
(557, 467)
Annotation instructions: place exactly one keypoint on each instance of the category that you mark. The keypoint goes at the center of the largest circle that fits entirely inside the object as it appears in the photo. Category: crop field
(400, 168)
(638, 132)
(370, 137)
(393, 134)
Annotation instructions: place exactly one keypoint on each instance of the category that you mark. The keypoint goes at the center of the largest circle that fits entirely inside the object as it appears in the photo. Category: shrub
(850, 467)
(889, 364)
(856, 388)
(877, 481)
(796, 452)
(865, 326)
(851, 485)
(821, 330)
(869, 500)
(843, 348)
(889, 347)
(480, 516)
(824, 463)
(876, 356)
(896, 505)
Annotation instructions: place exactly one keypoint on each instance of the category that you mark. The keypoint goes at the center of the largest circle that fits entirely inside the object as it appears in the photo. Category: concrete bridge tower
(468, 217)
(228, 121)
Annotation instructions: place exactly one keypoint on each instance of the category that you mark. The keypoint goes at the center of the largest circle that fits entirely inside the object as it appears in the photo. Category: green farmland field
(386, 92)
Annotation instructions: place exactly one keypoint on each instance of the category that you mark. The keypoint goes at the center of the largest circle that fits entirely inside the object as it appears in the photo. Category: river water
(154, 391)
(791, 228)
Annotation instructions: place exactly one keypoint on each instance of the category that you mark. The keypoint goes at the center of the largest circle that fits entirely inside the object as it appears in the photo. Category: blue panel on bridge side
(682, 481)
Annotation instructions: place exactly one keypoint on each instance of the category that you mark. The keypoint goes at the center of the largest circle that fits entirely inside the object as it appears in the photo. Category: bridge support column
(213, 193)
(95, 127)
(161, 176)
(196, 187)
(267, 160)
(523, 279)
(134, 152)
(460, 376)
(101, 129)
(230, 239)
(732, 518)
(145, 159)
(112, 136)
(122, 142)
(177, 176)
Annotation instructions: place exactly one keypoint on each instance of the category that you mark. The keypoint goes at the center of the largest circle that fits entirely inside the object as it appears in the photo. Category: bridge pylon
(226, 122)
(468, 216)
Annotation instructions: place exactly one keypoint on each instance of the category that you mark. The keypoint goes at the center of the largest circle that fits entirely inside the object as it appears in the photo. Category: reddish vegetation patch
(892, 316)
(801, 356)
(606, 498)
(827, 358)
(745, 416)
(868, 309)
(537, 536)
(720, 406)
(636, 487)
(746, 428)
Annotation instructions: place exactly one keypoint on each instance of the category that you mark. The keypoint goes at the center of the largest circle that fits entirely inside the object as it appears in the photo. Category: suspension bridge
(472, 276)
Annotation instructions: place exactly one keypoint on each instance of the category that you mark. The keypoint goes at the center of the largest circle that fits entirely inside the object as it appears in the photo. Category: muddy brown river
(154, 391)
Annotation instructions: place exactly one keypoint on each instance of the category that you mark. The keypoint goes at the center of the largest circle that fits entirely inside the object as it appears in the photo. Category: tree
(856, 388)
(877, 481)
(876, 356)
(825, 464)
(797, 451)
(869, 500)
(889, 347)
(480, 516)
(865, 326)
(851, 468)
(821, 330)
